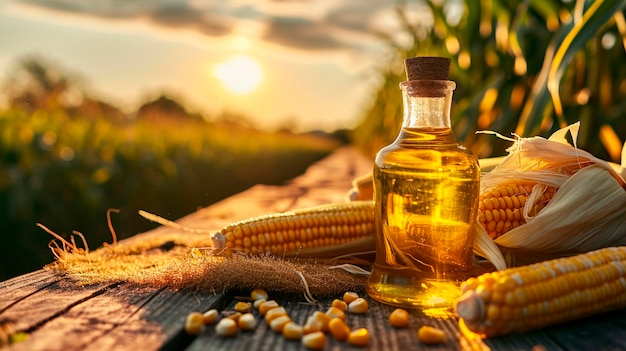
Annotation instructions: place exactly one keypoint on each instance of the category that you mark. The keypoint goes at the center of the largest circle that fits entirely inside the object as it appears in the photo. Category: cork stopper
(427, 68)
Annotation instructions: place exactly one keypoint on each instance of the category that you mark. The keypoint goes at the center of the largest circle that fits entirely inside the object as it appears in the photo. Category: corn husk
(588, 211)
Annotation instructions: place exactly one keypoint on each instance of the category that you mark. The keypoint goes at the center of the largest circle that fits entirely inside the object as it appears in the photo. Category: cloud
(321, 25)
(182, 16)
(167, 13)
(299, 33)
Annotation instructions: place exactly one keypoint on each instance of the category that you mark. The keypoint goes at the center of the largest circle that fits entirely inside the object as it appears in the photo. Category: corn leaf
(569, 39)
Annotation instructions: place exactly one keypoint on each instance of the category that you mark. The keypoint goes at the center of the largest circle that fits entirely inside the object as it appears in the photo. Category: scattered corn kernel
(312, 325)
(193, 323)
(274, 313)
(243, 307)
(315, 341)
(323, 318)
(358, 306)
(350, 296)
(278, 324)
(293, 331)
(399, 318)
(266, 306)
(247, 321)
(340, 304)
(259, 294)
(258, 303)
(226, 327)
(210, 316)
(359, 337)
(338, 329)
(335, 312)
(431, 335)
(234, 315)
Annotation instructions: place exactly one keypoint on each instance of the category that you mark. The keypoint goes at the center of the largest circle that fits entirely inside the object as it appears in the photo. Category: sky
(301, 64)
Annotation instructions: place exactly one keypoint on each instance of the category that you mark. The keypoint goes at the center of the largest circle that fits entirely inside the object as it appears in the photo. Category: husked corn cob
(322, 231)
(528, 297)
(502, 208)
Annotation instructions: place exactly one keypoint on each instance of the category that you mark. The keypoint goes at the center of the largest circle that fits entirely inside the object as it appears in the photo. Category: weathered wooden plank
(117, 317)
(607, 330)
(526, 341)
(78, 322)
(44, 305)
(18, 288)
(158, 320)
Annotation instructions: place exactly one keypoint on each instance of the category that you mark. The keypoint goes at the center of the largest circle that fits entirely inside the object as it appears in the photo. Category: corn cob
(545, 293)
(321, 231)
(501, 208)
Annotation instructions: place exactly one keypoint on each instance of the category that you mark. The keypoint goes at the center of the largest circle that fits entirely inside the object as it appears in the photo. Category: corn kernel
(338, 329)
(350, 296)
(258, 303)
(274, 313)
(335, 312)
(312, 325)
(259, 294)
(315, 341)
(234, 315)
(323, 318)
(359, 337)
(431, 335)
(247, 321)
(293, 331)
(399, 318)
(358, 306)
(340, 304)
(210, 316)
(278, 324)
(243, 307)
(266, 306)
(193, 323)
(226, 327)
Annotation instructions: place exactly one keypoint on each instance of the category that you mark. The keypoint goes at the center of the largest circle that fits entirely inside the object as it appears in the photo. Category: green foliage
(65, 172)
(528, 67)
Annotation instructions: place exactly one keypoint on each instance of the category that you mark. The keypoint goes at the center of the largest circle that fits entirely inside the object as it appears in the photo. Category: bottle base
(434, 298)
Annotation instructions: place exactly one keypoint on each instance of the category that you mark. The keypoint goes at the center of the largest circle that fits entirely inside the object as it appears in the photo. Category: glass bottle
(426, 188)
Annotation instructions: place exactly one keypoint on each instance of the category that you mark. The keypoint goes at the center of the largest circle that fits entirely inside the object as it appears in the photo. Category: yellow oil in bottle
(426, 188)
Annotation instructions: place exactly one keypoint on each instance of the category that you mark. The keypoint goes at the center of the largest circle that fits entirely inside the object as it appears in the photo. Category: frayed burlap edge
(170, 262)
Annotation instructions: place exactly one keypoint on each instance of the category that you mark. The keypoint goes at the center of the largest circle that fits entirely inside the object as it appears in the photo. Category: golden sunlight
(240, 74)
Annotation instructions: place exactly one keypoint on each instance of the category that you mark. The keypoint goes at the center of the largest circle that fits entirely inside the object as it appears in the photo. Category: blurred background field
(69, 152)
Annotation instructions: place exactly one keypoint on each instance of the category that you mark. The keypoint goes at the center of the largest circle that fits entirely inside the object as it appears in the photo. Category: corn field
(524, 67)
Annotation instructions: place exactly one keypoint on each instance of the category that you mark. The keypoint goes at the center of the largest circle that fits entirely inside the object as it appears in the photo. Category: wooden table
(55, 314)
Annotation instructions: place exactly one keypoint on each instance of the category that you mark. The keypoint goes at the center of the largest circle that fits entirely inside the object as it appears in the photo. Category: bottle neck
(427, 103)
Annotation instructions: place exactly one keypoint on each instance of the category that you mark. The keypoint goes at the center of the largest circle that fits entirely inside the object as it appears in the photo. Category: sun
(240, 74)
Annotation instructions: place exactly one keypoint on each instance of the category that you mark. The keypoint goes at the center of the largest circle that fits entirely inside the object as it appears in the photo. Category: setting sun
(240, 74)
